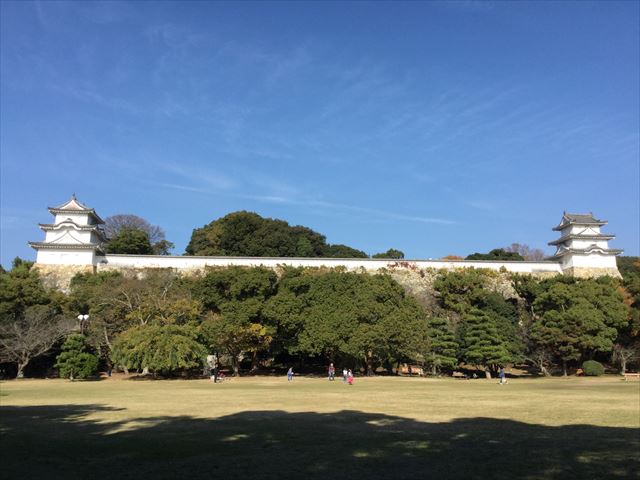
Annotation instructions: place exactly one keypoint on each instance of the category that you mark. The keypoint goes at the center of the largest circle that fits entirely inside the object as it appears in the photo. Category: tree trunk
(235, 366)
(145, 371)
(544, 371)
(564, 368)
(125, 370)
(21, 367)
(106, 338)
(369, 363)
(487, 373)
(434, 370)
(623, 366)
(254, 361)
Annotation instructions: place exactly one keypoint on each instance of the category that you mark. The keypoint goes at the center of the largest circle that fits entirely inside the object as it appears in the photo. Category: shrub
(591, 368)
(74, 361)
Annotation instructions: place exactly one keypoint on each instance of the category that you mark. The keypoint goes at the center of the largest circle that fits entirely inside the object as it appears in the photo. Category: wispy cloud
(315, 204)
(200, 177)
(91, 96)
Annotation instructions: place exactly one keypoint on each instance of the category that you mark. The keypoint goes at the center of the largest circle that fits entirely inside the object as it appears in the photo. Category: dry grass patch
(312, 428)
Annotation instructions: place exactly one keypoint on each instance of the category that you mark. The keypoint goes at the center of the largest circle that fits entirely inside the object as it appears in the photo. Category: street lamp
(82, 318)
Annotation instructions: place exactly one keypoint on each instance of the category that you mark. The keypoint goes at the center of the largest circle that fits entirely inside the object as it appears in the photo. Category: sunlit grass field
(265, 427)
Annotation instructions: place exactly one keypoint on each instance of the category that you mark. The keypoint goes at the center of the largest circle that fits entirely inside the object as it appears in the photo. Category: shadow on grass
(61, 442)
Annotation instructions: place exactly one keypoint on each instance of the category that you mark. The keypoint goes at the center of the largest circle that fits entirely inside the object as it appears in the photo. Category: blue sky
(434, 128)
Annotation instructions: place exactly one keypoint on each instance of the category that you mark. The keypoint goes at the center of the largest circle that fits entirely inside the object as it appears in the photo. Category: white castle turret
(582, 249)
(74, 238)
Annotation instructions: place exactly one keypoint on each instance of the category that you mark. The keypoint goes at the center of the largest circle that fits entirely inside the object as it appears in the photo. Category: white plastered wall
(65, 257)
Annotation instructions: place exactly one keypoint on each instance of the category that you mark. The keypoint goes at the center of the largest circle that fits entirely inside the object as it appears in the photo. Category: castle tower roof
(73, 205)
(585, 219)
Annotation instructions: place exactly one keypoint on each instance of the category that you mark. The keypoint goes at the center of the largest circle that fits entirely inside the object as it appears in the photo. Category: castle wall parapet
(114, 262)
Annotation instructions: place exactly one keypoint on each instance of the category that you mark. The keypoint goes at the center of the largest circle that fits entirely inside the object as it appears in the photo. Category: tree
(459, 290)
(578, 318)
(496, 254)
(233, 336)
(366, 318)
(342, 251)
(248, 234)
(391, 253)
(130, 241)
(75, 361)
(162, 349)
(442, 347)
(463, 291)
(629, 267)
(482, 342)
(526, 252)
(33, 334)
(116, 303)
(20, 288)
(623, 354)
(156, 236)
(235, 298)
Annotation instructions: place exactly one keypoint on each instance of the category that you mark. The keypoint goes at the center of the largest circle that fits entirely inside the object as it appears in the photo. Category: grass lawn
(395, 428)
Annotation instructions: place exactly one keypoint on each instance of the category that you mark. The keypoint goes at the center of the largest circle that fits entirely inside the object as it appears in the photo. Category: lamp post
(82, 319)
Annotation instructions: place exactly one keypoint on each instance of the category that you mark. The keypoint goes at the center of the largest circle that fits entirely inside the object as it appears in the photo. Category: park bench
(631, 376)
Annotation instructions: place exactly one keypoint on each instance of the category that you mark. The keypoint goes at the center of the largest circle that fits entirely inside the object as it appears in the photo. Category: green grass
(310, 428)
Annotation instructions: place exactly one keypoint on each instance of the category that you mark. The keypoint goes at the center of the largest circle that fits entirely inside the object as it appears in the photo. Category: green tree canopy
(365, 317)
(20, 288)
(342, 251)
(482, 341)
(115, 303)
(131, 241)
(496, 254)
(248, 234)
(162, 349)
(75, 361)
(116, 223)
(235, 298)
(442, 347)
(391, 253)
(578, 317)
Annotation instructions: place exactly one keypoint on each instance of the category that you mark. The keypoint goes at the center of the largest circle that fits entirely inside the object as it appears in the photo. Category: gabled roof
(578, 219)
(73, 205)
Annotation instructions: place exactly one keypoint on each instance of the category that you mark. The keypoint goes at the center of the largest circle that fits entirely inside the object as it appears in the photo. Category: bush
(74, 361)
(591, 368)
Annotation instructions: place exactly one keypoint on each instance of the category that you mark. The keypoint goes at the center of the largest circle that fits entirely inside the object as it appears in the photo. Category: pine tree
(483, 342)
(74, 361)
(442, 345)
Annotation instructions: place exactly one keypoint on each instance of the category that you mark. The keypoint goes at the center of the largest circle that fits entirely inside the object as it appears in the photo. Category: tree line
(247, 234)
(244, 234)
(257, 318)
